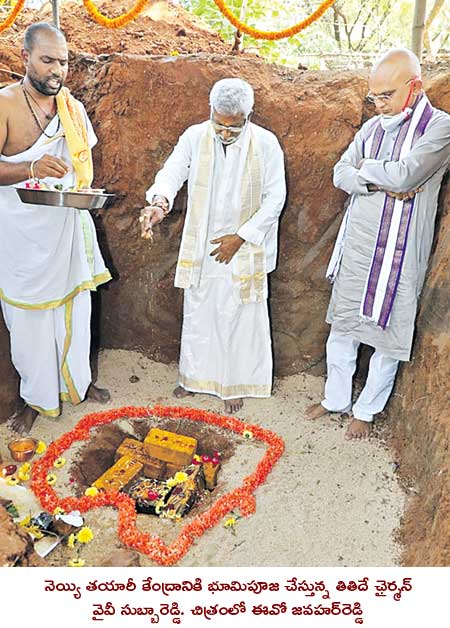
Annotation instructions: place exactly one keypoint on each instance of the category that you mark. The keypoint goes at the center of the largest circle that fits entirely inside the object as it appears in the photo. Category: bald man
(392, 171)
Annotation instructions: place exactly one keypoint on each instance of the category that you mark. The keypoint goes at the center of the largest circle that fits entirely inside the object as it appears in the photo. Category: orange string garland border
(114, 22)
(126, 18)
(12, 16)
(153, 546)
(273, 35)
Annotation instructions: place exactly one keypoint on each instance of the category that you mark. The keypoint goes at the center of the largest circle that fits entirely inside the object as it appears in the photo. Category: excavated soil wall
(420, 410)
(139, 107)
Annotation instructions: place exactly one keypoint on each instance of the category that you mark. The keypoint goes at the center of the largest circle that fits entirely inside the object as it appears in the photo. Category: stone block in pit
(175, 449)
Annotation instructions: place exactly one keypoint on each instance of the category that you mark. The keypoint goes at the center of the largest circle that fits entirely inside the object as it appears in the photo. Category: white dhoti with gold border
(50, 351)
(49, 262)
(226, 347)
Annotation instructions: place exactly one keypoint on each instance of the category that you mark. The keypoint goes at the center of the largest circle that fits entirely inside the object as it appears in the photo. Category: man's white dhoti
(49, 262)
(225, 345)
(49, 370)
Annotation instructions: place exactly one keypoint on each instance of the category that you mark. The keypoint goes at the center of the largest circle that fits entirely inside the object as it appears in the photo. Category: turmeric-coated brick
(170, 447)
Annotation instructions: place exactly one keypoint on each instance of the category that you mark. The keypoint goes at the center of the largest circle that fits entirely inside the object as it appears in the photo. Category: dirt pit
(98, 455)
(90, 460)
(326, 501)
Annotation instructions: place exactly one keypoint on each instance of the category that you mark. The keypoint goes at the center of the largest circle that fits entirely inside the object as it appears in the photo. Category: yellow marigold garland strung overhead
(273, 35)
(114, 22)
(9, 21)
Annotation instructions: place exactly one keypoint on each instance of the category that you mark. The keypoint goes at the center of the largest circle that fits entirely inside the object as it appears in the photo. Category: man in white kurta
(393, 171)
(49, 256)
(236, 191)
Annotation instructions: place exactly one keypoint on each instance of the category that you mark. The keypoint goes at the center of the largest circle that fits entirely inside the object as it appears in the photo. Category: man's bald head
(399, 63)
(395, 82)
(41, 29)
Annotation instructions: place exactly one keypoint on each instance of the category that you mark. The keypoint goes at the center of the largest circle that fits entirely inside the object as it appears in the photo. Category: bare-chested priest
(393, 171)
(49, 257)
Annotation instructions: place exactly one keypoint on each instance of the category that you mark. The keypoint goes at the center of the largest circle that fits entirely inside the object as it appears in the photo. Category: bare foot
(179, 392)
(100, 395)
(233, 405)
(315, 411)
(358, 430)
(24, 420)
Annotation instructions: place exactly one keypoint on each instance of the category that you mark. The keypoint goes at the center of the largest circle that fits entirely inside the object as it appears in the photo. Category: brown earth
(317, 467)
(162, 28)
(420, 411)
(9, 382)
(139, 107)
(137, 135)
(98, 454)
(16, 546)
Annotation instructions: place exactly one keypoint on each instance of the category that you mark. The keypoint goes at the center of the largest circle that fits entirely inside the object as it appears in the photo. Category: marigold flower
(71, 540)
(59, 511)
(180, 476)
(92, 491)
(115, 22)
(23, 477)
(41, 447)
(230, 522)
(59, 462)
(51, 479)
(85, 535)
(25, 521)
(272, 35)
(25, 468)
(11, 18)
(76, 562)
(153, 546)
(35, 531)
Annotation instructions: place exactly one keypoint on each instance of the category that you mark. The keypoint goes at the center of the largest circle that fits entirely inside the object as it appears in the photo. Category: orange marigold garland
(273, 35)
(114, 22)
(9, 21)
(241, 497)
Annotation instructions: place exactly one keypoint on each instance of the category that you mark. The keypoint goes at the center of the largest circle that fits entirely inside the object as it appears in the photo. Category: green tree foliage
(355, 30)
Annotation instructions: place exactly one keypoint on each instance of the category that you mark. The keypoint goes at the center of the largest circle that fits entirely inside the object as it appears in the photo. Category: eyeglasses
(232, 129)
(386, 96)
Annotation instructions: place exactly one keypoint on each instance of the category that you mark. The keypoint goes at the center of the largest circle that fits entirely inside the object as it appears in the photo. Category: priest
(49, 256)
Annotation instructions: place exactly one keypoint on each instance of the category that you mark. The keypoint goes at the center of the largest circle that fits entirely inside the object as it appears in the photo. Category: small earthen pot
(23, 449)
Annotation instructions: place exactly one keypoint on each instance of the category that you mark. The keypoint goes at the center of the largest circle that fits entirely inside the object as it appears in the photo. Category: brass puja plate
(55, 198)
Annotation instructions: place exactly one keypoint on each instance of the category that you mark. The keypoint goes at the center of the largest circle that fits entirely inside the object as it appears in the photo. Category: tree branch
(437, 6)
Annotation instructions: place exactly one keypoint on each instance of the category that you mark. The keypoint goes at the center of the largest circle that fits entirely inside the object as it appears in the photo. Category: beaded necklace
(34, 114)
